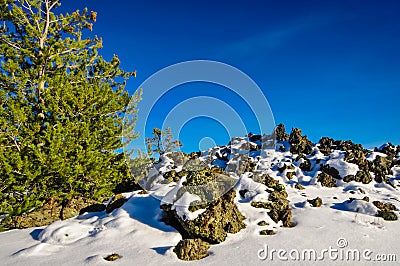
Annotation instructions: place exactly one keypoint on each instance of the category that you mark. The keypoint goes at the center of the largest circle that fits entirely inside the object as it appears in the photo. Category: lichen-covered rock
(317, 202)
(381, 167)
(298, 143)
(325, 145)
(387, 215)
(179, 158)
(221, 217)
(389, 149)
(267, 232)
(286, 166)
(173, 176)
(361, 176)
(192, 249)
(306, 163)
(326, 180)
(332, 171)
(386, 210)
(299, 186)
(112, 257)
(384, 206)
(273, 184)
(278, 208)
(280, 133)
(194, 164)
(207, 183)
(48, 213)
(262, 223)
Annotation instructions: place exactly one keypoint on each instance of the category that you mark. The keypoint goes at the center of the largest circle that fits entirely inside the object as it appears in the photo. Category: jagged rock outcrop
(278, 205)
(221, 217)
(299, 144)
(280, 133)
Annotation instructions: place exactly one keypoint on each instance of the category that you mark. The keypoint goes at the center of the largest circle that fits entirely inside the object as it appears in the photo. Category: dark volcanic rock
(279, 208)
(305, 165)
(97, 207)
(298, 143)
(221, 217)
(280, 133)
(361, 176)
(325, 145)
(299, 186)
(327, 169)
(267, 232)
(262, 223)
(173, 176)
(381, 167)
(387, 215)
(317, 202)
(386, 210)
(192, 249)
(326, 180)
(115, 203)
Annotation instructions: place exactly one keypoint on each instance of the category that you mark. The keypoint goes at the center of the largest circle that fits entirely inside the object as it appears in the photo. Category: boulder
(220, 218)
(326, 180)
(280, 133)
(386, 210)
(97, 207)
(267, 232)
(299, 144)
(117, 202)
(327, 169)
(192, 249)
(317, 202)
(278, 208)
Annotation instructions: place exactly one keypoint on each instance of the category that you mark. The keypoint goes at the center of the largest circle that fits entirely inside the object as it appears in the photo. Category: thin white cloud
(273, 38)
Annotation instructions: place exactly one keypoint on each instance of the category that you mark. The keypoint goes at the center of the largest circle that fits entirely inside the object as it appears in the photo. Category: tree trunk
(63, 205)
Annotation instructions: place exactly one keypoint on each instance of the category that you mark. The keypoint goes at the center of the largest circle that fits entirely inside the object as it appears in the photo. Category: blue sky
(331, 68)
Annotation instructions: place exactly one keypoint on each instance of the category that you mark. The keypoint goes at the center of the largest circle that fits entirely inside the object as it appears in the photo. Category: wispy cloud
(274, 37)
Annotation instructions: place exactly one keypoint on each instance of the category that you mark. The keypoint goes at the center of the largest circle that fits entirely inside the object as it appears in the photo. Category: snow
(182, 207)
(372, 156)
(135, 231)
(337, 161)
(357, 206)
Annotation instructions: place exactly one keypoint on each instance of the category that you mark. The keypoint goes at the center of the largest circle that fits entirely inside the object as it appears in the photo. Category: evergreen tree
(162, 142)
(62, 107)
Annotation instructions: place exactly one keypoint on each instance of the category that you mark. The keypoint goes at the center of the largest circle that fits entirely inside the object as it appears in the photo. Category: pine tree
(162, 141)
(62, 107)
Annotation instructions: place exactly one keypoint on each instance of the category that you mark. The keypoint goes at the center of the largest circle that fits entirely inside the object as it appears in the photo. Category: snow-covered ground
(339, 232)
